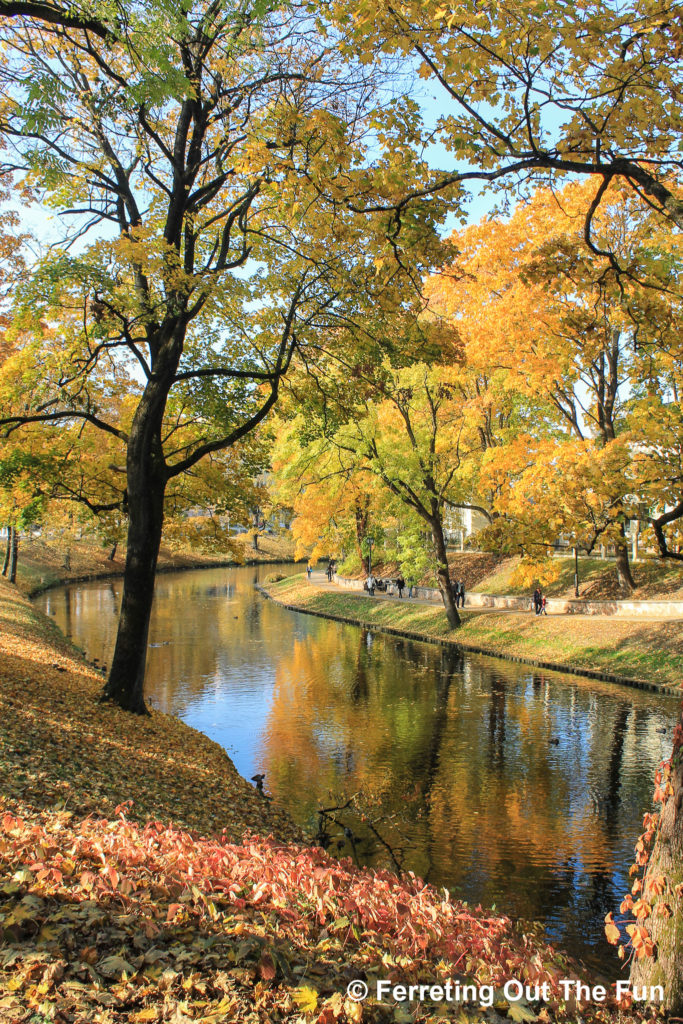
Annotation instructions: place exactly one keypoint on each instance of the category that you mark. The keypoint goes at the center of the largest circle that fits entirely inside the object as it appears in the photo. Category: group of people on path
(538, 599)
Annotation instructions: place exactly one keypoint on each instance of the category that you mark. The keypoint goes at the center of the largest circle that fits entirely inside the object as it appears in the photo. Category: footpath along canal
(513, 786)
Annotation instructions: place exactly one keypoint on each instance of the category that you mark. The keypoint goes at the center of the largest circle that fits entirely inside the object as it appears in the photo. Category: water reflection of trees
(512, 786)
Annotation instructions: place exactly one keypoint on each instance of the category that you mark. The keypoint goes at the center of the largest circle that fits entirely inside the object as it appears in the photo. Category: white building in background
(462, 523)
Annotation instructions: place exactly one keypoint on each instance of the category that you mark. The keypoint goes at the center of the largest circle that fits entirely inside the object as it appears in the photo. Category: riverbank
(487, 573)
(109, 913)
(62, 748)
(45, 563)
(643, 654)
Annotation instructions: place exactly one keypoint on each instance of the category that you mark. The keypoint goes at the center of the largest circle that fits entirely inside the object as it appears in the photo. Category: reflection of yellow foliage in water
(469, 764)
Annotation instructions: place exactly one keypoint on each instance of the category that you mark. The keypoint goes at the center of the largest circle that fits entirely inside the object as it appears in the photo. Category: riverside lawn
(638, 651)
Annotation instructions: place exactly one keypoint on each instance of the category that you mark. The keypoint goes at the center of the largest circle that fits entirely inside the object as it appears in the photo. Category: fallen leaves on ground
(109, 914)
(59, 746)
(108, 921)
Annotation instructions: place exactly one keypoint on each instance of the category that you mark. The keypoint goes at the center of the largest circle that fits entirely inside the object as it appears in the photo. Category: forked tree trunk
(442, 573)
(666, 862)
(8, 550)
(146, 483)
(14, 554)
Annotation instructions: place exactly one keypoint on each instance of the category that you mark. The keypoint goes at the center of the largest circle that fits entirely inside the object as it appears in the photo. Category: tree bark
(624, 575)
(666, 861)
(14, 553)
(8, 551)
(112, 553)
(443, 574)
(146, 486)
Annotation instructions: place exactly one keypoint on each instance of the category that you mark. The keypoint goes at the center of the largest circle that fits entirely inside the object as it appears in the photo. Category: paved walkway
(319, 579)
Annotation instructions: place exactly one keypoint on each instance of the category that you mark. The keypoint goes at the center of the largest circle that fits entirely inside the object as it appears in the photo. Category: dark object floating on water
(661, 730)
(258, 779)
(554, 740)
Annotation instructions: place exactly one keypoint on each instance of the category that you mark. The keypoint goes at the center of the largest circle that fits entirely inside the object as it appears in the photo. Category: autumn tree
(183, 149)
(587, 348)
(535, 91)
(418, 431)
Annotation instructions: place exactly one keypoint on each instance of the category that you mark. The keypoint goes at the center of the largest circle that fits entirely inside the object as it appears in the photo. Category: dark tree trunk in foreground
(14, 554)
(666, 861)
(8, 550)
(443, 575)
(146, 480)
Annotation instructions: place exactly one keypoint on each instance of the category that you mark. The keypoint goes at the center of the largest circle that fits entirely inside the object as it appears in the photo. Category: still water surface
(512, 786)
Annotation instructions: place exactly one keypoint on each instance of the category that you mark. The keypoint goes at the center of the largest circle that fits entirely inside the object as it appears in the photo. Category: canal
(512, 786)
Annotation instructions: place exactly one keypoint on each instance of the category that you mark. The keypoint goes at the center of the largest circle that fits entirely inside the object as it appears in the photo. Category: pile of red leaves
(108, 920)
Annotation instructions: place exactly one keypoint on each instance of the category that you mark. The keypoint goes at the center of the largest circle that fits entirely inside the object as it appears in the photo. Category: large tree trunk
(14, 553)
(442, 572)
(8, 550)
(666, 861)
(146, 482)
(623, 564)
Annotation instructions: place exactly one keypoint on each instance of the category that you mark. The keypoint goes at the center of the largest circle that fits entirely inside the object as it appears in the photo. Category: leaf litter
(142, 879)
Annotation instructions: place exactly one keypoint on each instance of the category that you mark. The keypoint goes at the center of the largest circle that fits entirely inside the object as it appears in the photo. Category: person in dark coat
(538, 598)
(461, 593)
(400, 584)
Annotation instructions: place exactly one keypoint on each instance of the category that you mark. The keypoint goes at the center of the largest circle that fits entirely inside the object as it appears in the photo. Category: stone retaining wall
(554, 605)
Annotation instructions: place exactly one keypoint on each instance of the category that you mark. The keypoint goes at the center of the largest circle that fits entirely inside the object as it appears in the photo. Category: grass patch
(639, 651)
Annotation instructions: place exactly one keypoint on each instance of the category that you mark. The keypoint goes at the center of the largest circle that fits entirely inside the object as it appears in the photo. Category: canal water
(513, 786)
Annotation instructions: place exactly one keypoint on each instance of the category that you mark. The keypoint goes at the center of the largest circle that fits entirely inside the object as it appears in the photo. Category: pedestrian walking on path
(309, 571)
(537, 599)
(400, 584)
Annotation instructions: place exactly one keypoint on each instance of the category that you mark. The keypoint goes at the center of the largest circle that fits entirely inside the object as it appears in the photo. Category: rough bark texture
(112, 553)
(14, 554)
(666, 968)
(443, 575)
(146, 481)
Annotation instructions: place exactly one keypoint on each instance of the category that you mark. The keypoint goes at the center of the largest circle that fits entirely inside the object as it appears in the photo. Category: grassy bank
(639, 651)
(44, 563)
(488, 573)
(112, 914)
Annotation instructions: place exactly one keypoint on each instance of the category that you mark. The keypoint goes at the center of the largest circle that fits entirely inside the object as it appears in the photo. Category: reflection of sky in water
(517, 788)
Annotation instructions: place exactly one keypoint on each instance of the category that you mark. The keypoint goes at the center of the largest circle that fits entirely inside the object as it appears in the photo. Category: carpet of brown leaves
(110, 914)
